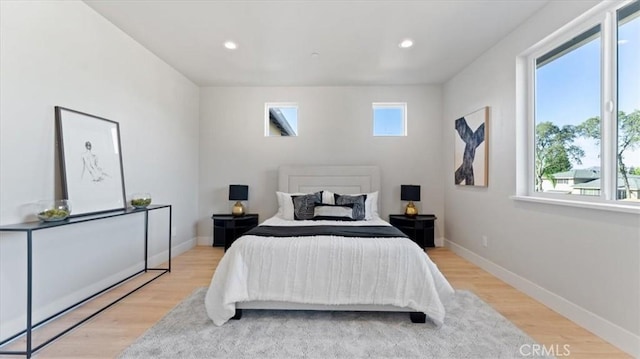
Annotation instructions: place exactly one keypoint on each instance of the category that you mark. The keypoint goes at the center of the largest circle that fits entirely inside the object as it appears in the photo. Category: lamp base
(411, 210)
(238, 209)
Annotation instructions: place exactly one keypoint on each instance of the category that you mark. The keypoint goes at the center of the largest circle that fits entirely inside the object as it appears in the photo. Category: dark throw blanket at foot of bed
(341, 231)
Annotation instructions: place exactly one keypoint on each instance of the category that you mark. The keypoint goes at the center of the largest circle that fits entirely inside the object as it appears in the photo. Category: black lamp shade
(409, 192)
(238, 192)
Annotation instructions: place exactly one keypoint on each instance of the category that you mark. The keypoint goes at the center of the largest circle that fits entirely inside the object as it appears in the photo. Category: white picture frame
(90, 162)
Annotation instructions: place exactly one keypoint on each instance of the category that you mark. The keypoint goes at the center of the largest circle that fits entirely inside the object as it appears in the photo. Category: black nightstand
(419, 228)
(227, 228)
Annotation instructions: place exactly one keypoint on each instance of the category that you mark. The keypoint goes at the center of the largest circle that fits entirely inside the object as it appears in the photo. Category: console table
(30, 227)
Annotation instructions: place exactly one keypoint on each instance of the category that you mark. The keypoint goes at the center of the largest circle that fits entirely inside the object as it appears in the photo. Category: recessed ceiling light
(230, 45)
(406, 43)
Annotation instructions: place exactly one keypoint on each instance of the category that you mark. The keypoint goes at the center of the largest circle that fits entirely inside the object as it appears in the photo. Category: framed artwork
(471, 150)
(91, 162)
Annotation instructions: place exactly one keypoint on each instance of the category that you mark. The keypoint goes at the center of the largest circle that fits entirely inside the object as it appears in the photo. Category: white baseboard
(175, 251)
(612, 333)
(205, 241)
(439, 242)
(18, 324)
(183, 247)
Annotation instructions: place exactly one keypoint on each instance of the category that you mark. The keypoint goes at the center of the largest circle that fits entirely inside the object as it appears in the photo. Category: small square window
(281, 119)
(389, 119)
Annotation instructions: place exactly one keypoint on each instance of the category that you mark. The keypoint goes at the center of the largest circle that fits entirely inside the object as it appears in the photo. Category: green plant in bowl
(51, 211)
(141, 200)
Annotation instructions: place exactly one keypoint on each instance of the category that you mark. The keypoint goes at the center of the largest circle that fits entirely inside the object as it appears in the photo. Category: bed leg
(238, 314)
(417, 317)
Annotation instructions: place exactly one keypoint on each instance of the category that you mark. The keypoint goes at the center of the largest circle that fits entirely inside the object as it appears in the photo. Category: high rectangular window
(389, 119)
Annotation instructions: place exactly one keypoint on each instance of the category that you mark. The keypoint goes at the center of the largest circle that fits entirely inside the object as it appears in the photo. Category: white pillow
(333, 212)
(285, 204)
(370, 204)
(328, 197)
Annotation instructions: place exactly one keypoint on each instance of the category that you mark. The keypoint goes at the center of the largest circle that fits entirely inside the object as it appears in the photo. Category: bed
(293, 262)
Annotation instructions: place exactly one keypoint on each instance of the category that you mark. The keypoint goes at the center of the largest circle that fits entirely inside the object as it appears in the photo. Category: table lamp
(238, 193)
(410, 193)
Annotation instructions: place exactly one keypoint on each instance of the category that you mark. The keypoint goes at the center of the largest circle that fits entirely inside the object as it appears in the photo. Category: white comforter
(327, 270)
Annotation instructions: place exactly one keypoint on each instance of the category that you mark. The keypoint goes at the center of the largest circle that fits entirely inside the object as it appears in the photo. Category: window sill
(580, 204)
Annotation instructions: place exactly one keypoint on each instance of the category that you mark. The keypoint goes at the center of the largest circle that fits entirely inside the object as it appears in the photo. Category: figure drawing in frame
(91, 162)
(90, 165)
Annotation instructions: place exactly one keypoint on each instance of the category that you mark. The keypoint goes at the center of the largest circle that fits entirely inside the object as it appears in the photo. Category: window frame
(605, 15)
(393, 105)
(269, 105)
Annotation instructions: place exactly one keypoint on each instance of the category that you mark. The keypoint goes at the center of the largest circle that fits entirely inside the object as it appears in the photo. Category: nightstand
(227, 228)
(419, 228)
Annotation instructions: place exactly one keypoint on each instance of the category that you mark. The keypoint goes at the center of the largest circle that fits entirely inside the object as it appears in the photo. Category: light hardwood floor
(115, 329)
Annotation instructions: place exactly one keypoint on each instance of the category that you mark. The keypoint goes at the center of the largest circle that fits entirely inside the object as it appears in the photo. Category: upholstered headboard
(339, 179)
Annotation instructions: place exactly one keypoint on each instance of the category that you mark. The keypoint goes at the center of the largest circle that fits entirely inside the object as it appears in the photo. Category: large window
(567, 98)
(628, 119)
(584, 109)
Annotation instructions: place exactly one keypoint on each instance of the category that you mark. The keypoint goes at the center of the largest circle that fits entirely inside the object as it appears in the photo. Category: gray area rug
(472, 329)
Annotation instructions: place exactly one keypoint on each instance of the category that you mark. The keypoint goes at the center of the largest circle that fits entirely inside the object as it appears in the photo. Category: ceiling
(356, 42)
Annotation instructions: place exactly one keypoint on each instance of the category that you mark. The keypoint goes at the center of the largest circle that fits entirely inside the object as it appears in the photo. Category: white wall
(62, 53)
(335, 127)
(581, 262)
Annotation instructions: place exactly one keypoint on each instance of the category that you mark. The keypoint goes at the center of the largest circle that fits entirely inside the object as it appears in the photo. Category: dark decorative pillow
(303, 205)
(358, 204)
(333, 212)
